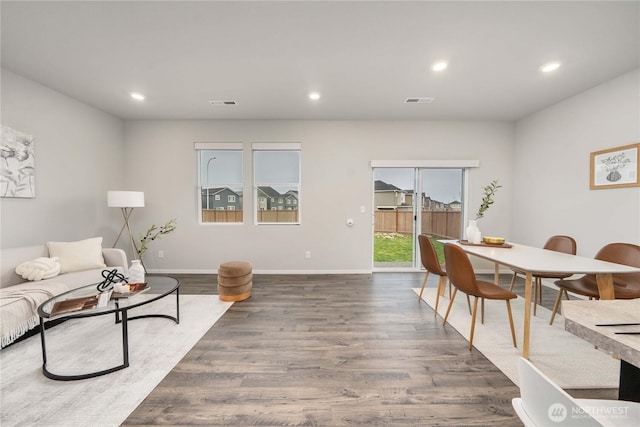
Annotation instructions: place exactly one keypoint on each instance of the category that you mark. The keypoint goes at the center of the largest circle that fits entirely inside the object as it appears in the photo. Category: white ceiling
(365, 58)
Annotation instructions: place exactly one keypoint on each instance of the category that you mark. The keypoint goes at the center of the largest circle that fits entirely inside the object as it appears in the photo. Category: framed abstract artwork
(616, 167)
(17, 164)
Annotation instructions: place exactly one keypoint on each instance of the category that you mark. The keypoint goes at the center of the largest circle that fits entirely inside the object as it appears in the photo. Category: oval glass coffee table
(70, 306)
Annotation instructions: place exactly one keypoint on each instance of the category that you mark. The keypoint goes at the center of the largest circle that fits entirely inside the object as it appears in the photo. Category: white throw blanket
(18, 308)
(39, 268)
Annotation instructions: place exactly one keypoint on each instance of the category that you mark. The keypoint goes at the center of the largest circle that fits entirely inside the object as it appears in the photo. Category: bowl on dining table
(489, 240)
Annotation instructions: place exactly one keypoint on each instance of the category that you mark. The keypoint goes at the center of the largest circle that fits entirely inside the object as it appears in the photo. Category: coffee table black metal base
(122, 317)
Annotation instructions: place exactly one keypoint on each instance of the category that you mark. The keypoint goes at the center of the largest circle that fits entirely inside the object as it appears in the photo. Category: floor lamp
(126, 201)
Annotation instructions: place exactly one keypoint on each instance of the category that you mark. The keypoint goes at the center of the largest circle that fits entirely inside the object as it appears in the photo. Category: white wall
(551, 172)
(82, 152)
(78, 157)
(336, 181)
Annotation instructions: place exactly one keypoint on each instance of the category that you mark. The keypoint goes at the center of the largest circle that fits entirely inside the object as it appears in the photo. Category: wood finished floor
(332, 350)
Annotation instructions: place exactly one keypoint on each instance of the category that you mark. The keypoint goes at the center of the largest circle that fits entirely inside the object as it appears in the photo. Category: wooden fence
(440, 223)
(278, 216)
(211, 215)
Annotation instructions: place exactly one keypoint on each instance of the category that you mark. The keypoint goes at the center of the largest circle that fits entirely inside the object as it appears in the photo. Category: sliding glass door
(394, 211)
(411, 201)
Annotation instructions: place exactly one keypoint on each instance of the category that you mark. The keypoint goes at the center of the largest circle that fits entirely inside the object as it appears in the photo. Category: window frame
(297, 186)
(219, 146)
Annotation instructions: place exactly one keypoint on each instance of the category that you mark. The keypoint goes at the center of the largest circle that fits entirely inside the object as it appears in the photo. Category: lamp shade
(125, 199)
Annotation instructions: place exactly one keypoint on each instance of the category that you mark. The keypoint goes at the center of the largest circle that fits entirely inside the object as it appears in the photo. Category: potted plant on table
(473, 232)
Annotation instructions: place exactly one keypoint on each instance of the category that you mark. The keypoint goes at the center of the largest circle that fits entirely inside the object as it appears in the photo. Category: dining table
(613, 326)
(531, 260)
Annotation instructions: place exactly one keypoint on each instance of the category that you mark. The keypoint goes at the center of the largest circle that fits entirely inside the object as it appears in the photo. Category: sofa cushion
(76, 256)
(39, 268)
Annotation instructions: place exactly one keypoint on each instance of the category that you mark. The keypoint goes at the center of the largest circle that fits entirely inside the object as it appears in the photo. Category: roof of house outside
(383, 186)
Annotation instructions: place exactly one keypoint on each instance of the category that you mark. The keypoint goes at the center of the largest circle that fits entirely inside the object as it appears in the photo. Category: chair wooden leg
(513, 331)
(536, 284)
(473, 322)
(513, 281)
(482, 318)
(556, 305)
(540, 292)
(455, 291)
(424, 282)
(469, 304)
(442, 283)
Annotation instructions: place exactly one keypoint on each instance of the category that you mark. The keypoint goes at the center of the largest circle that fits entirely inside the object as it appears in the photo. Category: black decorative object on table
(110, 277)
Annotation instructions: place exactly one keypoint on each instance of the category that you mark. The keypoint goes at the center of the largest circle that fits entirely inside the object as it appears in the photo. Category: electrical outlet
(307, 254)
(160, 254)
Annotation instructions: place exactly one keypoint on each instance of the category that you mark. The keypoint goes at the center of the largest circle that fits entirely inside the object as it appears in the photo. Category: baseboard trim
(209, 271)
(375, 270)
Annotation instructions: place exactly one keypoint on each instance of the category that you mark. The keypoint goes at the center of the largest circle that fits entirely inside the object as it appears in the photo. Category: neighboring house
(455, 206)
(388, 196)
(428, 204)
(221, 199)
(270, 200)
(291, 200)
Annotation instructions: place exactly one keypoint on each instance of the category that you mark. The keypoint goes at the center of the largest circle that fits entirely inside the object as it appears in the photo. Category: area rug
(156, 345)
(569, 361)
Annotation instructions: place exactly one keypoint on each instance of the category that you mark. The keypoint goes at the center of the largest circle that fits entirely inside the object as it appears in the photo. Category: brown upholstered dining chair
(558, 243)
(431, 263)
(625, 285)
(463, 278)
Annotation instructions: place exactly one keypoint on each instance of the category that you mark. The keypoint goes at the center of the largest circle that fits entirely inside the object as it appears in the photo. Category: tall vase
(136, 272)
(473, 232)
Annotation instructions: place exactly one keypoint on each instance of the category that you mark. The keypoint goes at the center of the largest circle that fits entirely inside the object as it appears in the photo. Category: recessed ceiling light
(439, 66)
(137, 96)
(551, 66)
(419, 100)
(222, 102)
(314, 95)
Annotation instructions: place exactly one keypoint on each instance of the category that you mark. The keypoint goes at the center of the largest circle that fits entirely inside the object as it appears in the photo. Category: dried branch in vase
(154, 232)
(487, 200)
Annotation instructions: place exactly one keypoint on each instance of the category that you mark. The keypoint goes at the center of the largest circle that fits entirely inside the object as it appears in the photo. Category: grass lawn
(394, 247)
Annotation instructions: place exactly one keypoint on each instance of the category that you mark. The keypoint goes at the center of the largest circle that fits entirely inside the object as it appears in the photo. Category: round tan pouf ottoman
(235, 280)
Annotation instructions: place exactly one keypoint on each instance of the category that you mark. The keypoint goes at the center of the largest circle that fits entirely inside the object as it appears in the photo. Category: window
(220, 182)
(276, 172)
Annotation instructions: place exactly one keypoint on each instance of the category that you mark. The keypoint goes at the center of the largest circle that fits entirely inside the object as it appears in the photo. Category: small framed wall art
(616, 167)
(17, 164)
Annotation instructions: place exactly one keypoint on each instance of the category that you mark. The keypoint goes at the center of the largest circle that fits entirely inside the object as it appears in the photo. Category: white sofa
(19, 298)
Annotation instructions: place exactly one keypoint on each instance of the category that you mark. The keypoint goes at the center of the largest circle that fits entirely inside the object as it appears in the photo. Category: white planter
(473, 232)
(136, 272)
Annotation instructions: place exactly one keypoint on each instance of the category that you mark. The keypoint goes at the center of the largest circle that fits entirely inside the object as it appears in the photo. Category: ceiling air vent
(419, 100)
(219, 102)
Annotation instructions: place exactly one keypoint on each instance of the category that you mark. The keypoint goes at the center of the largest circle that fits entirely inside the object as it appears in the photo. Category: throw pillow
(77, 256)
(39, 268)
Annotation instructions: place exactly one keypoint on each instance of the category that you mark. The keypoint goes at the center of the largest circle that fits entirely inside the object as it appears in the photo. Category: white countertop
(582, 316)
